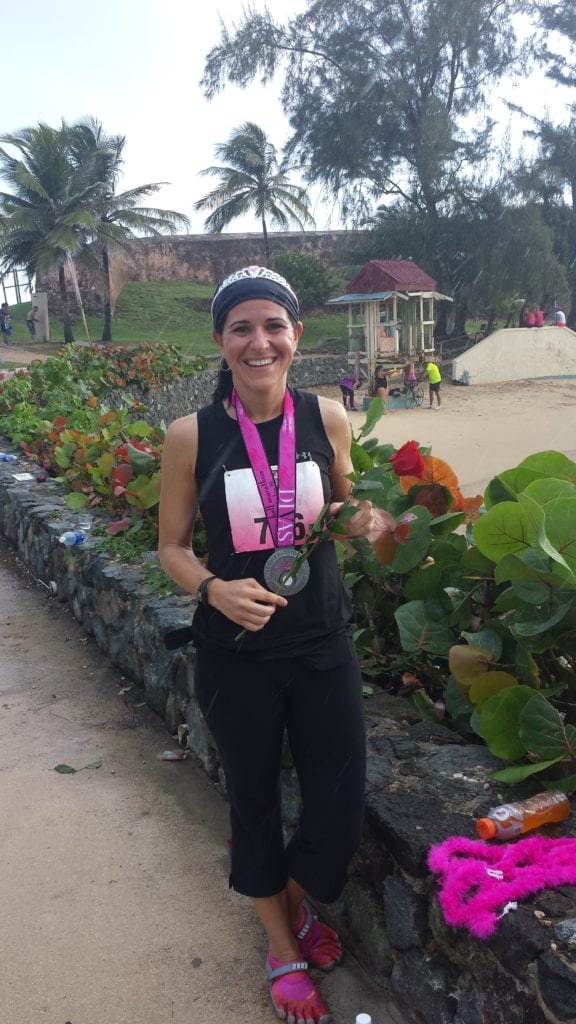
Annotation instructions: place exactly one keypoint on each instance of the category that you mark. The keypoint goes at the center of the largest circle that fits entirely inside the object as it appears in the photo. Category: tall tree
(560, 18)
(377, 91)
(49, 209)
(251, 181)
(119, 216)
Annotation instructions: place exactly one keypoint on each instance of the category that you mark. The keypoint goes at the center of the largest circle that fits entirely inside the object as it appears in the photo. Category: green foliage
(380, 102)
(105, 458)
(486, 622)
(309, 278)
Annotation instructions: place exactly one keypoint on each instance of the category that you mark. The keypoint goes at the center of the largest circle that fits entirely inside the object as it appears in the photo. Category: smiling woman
(261, 463)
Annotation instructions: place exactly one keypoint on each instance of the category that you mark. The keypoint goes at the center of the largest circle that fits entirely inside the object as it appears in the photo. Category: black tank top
(239, 540)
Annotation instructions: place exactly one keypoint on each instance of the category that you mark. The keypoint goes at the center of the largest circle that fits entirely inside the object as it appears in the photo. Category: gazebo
(390, 313)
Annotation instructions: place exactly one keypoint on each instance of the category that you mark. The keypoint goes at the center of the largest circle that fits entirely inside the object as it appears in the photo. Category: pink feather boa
(479, 880)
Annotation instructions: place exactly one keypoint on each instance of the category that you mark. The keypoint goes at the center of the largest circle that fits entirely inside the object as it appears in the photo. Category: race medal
(278, 575)
(278, 498)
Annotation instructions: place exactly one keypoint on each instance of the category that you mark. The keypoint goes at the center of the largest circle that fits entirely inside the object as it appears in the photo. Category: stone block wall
(206, 258)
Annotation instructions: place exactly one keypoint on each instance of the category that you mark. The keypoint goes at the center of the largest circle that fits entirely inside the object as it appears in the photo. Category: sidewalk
(115, 900)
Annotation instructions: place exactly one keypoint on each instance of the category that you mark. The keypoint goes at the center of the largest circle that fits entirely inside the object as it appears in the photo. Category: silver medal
(277, 572)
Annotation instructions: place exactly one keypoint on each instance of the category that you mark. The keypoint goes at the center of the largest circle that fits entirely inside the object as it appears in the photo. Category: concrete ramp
(518, 353)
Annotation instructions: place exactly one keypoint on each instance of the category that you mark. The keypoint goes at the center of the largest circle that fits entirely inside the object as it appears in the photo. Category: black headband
(252, 283)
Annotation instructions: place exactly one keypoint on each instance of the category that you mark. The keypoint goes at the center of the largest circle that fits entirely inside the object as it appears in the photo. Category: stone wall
(206, 258)
(424, 784)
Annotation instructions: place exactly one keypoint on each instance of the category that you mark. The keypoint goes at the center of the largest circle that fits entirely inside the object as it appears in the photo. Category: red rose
(408, 461)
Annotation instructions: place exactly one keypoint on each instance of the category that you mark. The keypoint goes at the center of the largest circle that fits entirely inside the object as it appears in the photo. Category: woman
(273, 653)
(380, 386)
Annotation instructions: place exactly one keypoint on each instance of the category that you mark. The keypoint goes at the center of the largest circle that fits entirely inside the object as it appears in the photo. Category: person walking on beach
(274, 652)
(434, 380)
(380, 385)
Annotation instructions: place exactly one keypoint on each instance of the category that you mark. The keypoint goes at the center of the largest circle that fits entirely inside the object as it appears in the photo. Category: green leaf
(501, 722)
(424, 706)
(457, 705)
(545, 490)
(567, 784)
(518, 772)
(374, 413)
(540, 623)
(544, 732)
(361, 460)
(489, 639)
(550, 464)
(422, 629)
(65, 769)
(424, 584)
(76, 500)
(443, 525)
(410, 554)
(141, 462)
(139, 428)
(505, 529)
(560, 526)
(526, 668)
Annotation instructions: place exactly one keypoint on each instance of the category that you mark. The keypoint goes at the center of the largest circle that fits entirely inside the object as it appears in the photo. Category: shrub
(309, 277)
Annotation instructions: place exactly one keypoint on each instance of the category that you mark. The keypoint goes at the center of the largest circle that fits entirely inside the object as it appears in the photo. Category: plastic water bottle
(71, 537)
(8, 457)
(363, 1018)
(510, 820)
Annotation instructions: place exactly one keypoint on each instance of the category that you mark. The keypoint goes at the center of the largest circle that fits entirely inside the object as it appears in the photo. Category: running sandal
(318, 943)
(294, 995)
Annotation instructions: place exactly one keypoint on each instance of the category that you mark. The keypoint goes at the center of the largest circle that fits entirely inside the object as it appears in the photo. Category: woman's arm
(244, 601)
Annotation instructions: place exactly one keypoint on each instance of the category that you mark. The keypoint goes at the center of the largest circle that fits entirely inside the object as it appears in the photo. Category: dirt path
(115, 903)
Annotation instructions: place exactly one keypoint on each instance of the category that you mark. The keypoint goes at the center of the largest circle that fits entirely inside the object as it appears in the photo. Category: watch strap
(202, 592)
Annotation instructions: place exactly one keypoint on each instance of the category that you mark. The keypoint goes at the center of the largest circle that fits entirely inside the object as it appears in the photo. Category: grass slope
(177, 312)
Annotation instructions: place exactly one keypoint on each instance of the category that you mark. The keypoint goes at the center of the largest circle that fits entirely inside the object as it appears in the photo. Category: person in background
(348, 385)
(380, 385)
(434, 380)
(528, 318)
(5, 325)
(274, 653)
(560, 318)
(32, 320)
(538, 317)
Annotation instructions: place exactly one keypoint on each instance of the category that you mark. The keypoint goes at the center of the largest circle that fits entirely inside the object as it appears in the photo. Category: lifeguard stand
(390, 315)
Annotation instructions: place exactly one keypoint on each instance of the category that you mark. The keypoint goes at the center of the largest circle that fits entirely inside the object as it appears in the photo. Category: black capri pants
(248, 705)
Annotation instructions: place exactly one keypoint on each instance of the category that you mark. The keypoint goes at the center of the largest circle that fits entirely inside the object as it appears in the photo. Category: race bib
(248, 523)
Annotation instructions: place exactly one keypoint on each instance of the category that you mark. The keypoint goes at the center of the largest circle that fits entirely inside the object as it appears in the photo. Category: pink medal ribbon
(278, 501)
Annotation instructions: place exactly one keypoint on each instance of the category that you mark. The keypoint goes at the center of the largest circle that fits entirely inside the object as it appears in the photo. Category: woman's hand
(244, 602)
(368, 521)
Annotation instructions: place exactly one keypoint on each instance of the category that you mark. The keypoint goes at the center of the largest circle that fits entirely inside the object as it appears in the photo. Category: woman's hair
(224, 383)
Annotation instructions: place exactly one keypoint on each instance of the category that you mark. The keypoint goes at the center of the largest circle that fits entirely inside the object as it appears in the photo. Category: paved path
(115, 904)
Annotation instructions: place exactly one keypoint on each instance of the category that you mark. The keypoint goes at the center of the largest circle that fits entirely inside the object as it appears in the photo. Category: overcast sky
(136, 66)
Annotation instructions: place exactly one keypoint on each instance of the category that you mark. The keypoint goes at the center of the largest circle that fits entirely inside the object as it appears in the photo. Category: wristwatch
(202, 592)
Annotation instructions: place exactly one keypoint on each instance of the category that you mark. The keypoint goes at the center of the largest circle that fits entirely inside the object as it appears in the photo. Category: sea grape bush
(485, 618)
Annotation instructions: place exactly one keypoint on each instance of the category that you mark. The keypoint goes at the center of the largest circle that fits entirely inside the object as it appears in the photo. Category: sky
(136, 66)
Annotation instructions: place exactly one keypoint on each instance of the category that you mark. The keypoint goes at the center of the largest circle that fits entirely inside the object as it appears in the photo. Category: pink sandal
(294, 995)
(318, 943)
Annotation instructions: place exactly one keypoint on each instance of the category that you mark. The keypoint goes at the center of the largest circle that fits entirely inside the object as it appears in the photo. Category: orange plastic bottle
(510, 820)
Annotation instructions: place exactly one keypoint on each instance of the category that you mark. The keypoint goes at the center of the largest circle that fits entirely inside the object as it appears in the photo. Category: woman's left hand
(368, 521)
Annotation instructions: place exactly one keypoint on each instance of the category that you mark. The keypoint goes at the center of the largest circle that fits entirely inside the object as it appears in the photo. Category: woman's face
(258, 342)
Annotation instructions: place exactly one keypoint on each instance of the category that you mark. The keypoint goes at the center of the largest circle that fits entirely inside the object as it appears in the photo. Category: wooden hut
(390, 313)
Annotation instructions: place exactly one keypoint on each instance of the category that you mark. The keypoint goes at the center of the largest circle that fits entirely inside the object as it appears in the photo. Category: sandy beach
(484, 429)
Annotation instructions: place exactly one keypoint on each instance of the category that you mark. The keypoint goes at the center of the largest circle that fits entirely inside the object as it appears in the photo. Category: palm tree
(252, 182)
(119, 218)
(49, 210)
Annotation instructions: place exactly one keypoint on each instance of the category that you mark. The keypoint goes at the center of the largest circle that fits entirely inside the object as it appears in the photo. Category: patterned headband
(252, 283)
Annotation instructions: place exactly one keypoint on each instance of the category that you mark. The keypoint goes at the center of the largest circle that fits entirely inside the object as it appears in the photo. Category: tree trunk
(460, 314)
(107, 321)
(266, 244)
(66, 319)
